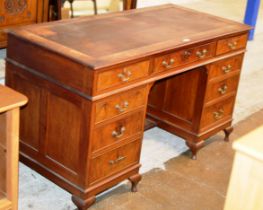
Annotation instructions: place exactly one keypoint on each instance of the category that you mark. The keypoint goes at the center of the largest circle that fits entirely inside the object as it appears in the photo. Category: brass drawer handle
(219, 114)
(168, 64)
(222, 90)
(202, 53)
(119, 133)
(122, 108)
(125, 75)
(119, 159)
(232, 45)
(227, 68)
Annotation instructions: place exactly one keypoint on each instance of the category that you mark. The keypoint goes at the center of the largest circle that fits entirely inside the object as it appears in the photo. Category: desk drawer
(222, 88)
(217, 112)
(115, 161)
(120, 104)
(182, 57)
(231, 44)
(117, 131)
(112, 78)
(225, 67)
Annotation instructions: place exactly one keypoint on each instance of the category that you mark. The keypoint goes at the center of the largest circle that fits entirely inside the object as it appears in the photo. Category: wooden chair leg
(95, 7)
(71, 8)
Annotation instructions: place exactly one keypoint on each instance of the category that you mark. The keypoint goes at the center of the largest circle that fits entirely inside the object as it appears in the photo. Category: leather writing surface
(122, 36)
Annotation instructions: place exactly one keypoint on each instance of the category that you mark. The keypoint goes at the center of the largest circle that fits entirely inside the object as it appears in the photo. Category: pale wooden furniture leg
(9, 146)
(12, 130)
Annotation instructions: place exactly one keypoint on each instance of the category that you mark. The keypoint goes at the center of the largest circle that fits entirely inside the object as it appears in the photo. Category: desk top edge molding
(138, 53)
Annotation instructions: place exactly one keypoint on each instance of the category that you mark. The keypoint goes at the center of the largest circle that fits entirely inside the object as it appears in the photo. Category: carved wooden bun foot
(193, 156)
(195, 147)
(228, 131)
(134, 181)
(83, 204)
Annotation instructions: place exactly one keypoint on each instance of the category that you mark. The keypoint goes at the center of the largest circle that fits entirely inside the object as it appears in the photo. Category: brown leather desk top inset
(91, 82)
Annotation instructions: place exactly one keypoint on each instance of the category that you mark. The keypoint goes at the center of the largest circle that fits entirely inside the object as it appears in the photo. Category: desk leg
(194, 147)
(134, 181)
(12, 130)
(228, 131)
(83, 204)
(251, 15)
(129, 4)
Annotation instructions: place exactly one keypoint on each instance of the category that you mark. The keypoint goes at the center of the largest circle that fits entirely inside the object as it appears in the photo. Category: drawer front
(116, 77)
(120, 104)
(115, 161)
(217, 112)
(231, 44)
(222, 88)
(182, 57)
(117, 131)
(225, 67)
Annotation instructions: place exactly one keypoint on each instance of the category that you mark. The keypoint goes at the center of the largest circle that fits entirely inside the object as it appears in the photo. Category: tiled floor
(185, 184)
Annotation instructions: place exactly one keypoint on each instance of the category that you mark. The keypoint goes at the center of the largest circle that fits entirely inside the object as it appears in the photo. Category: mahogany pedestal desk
(89, 82)
(10, 102)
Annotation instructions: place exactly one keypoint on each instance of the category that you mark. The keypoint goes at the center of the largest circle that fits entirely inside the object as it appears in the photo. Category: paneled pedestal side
(9, 128)
(246, 183)
(88, 81)
(20, 12)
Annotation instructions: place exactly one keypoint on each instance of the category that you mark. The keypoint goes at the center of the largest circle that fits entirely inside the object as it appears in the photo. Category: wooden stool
(10, 101)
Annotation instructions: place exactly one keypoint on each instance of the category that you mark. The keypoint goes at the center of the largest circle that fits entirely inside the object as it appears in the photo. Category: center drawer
(120, 103)
(115, 132)
(186, 56)
(115, 161)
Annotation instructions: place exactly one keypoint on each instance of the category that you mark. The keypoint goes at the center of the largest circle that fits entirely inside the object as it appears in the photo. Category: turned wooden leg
(83, 204)
(228, 131)
(134, 181)
(194, 147)
(71, 8)
(95, 7)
